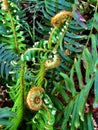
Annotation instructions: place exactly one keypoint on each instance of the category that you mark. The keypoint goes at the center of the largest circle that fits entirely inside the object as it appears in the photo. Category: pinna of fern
(9, 19)
(73, 112)
(8, 61)
(5, 114)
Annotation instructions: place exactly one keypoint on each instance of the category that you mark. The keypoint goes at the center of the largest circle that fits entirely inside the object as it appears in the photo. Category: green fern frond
(17, 93)
(88, 120)
(74, 96)
(75, 108)
(45, 117)
(90, 62)
(8, 60)
(11, 21)
(5, 114)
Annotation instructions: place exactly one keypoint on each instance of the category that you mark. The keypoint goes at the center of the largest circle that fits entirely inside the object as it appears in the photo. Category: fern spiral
(53, 63)
(34, 98)
(60, 18)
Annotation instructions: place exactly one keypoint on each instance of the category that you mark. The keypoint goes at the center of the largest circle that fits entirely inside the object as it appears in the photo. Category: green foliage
(88, 120)
(70, 50)
(8, 60)
(9, 22)
(47, 121)
(5, 114)
(17, 95)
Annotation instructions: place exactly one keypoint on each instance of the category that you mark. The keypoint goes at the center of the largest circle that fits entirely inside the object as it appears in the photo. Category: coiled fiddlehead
(53, 63)
(60, 18)
(34, 98)
(61, 23)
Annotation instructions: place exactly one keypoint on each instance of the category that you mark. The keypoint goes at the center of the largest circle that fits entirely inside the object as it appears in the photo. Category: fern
(47, 121)
(10, 19)
(17, 93)
(8, 60)
(60, 62)
(5, 114)
(88, 120)
(73, 112)
(72, 39)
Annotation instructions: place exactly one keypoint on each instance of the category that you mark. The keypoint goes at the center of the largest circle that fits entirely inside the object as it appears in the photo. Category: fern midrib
(22, 84)
(14, 31)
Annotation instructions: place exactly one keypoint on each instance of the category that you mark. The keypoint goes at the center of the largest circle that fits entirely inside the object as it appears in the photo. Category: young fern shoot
(17, 93)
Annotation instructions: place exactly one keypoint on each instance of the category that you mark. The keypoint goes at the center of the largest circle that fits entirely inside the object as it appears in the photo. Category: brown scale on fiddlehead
(4, 5)
(60, 22)
(34, 98)
(60, 18)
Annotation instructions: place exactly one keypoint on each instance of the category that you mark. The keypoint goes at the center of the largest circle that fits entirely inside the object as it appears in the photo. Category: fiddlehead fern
(53, 62)
(46, 56)
(34, 98)
(45, 117)
(60, 22)
(60, 18)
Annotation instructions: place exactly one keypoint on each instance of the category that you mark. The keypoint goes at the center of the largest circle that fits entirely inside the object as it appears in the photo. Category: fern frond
(5, 114)
(17, 95)
(75, 107)
(75, 96)
(88, 120)
(10, 19)
(8, 60)
(45, 117)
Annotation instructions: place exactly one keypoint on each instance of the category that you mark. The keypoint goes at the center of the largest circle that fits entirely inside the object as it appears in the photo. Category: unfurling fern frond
(34, 98)
(10, 19)
(17, 93)
(8, 60)
(45, 117)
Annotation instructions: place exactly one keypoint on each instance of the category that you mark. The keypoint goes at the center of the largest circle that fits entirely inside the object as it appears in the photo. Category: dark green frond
(8, 60)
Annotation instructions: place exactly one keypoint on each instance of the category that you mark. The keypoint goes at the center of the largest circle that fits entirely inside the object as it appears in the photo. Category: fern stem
(37, 49)
(14, 31)
(22, 84)
(41, 75)
(51, 34)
